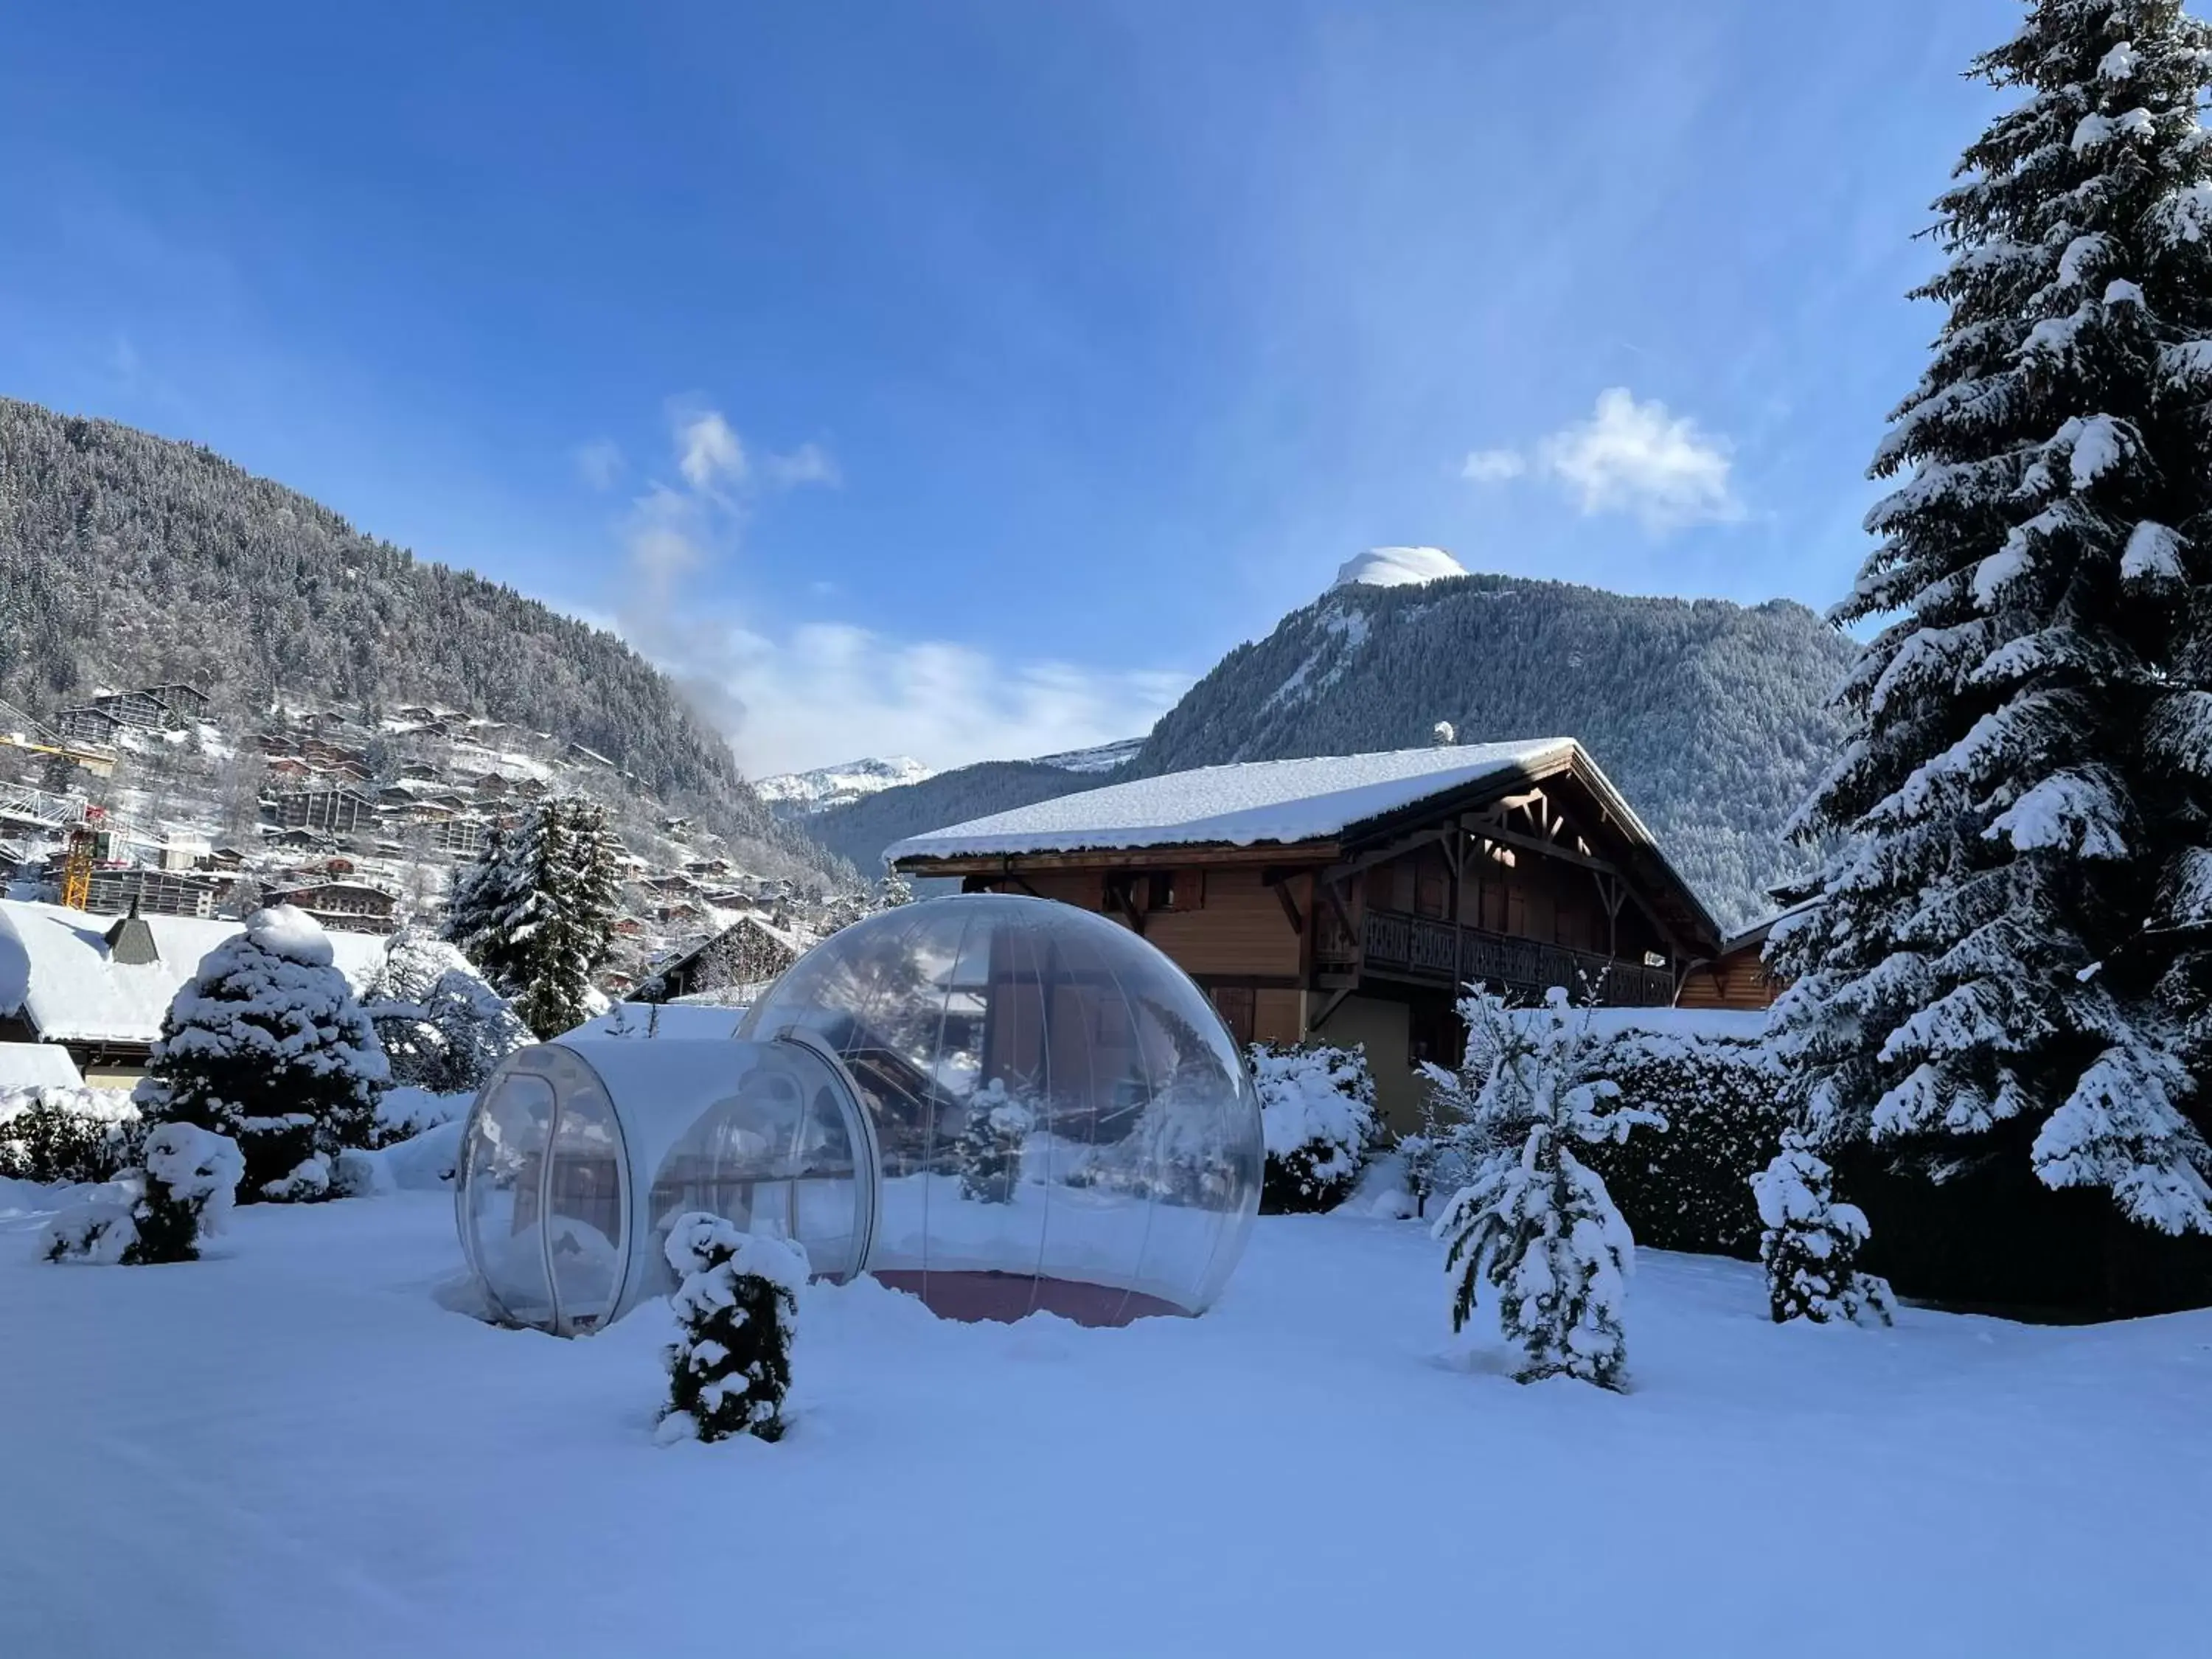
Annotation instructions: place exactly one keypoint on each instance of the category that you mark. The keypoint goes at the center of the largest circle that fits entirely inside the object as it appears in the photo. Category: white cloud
(1493, 465)
(597, 462)
(809, 463)
(831, 691)
(708, 452)
(1629, 456)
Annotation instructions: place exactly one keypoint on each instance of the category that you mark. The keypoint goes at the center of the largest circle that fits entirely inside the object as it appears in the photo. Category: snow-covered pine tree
(1810, 1246)
(267, 1046)
(1997, 972)
(738, 1310)
(1534, 1220)
(536, 912)
(989, 1150)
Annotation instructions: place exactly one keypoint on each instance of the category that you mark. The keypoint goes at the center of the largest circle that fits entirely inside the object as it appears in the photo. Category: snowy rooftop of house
(37, 1065)
(1252, 801)
(55, 971)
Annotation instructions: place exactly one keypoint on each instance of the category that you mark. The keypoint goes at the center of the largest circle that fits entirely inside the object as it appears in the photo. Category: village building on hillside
(1348, 898)
(97, 986)
(346, 907)
(749, 953)
(147, 708)
(340, 810)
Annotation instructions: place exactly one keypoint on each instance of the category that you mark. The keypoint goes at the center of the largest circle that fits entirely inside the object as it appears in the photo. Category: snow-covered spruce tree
(2003, 969)
(990, 1146)
(738, 1310)
(267, 1046)
(1810, 1245)
(1534, 1220)
(536, 912)
(1317, 1116)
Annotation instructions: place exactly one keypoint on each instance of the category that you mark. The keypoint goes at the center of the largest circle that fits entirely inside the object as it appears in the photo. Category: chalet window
(1175, 889)
(1234, 1004)
(1431, 891)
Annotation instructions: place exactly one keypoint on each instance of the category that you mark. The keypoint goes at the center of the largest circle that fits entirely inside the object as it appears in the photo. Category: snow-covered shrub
(997, 1126)
(1689, 1189)
(1317, 1114)
(1534, 1221)
(99, 1234)
(185, 1192)
(1812, 1243)
(67, 1136)
(442, 1027)
(738, 1311)
(304, 1183)
(267, 1046)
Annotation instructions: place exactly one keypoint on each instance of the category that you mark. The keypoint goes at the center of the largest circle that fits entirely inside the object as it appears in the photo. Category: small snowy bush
(267, 1045)
(999, 1126)
(1317, 1115)
(1812, 1243)
(737, 1308)
(1534, 1221)
(68, 1137)
(185, 1192)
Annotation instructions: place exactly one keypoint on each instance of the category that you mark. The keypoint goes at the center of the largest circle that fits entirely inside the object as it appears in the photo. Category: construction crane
(37, 738)
(77, 862)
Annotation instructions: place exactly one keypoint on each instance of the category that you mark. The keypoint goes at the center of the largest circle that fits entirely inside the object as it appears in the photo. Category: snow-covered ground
(291, 1448)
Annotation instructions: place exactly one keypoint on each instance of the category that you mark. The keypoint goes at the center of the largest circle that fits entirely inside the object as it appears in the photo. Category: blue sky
(963, 379)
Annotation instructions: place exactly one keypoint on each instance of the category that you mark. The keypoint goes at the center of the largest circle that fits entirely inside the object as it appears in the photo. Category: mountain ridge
(130, 559)
(1712, 717)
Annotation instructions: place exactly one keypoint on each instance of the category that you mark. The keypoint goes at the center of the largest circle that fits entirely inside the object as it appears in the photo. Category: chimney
(131, 941)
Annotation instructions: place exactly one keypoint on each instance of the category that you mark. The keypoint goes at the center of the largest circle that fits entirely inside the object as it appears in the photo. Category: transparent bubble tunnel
(1002, 1104)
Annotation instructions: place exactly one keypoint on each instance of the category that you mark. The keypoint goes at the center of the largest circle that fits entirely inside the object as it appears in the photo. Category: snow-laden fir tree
(1810, 1243)
(442, 1027)
(1534, 1221)
(186, 1190)
(267, 1045)
(1318, 1119)
(736, 1310)
(2004, 965)
(536, 911)
(989, 1150)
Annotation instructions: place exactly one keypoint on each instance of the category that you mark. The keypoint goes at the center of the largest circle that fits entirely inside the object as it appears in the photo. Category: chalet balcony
(1417, 946)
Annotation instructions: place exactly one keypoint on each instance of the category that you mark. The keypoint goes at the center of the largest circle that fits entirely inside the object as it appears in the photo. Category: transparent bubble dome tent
(1003, 1104)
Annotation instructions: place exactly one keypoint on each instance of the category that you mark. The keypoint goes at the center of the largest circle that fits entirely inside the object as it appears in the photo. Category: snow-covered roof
(37, 1065)
(55, 971)
(1397, 566)
(1251, 801)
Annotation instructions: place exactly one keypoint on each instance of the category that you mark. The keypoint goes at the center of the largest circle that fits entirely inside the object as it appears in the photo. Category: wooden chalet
(1737, 976)
(1348, 898)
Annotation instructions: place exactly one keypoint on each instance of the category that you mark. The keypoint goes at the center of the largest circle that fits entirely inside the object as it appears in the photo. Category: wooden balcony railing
(1395, 942)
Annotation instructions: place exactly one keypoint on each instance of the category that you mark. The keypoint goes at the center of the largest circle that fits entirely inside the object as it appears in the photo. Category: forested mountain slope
(1711, 717)
(128, 559)
(861, 829)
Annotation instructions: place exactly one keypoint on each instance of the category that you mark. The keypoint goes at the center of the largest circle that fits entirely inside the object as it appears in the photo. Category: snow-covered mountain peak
(1397, 566)
(798, 795)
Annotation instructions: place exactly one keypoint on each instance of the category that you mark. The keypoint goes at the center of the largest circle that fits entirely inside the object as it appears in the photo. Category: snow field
(292, 1447)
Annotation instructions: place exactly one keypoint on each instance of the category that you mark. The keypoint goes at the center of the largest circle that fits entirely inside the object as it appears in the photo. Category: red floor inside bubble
(1002, 1298)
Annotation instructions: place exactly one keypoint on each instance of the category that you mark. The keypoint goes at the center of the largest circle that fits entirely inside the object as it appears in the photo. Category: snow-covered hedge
(67, 1136)
(1317, 1116)
(1720, 1092)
